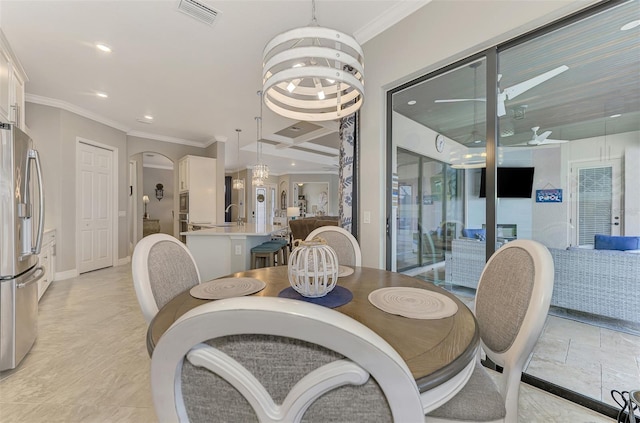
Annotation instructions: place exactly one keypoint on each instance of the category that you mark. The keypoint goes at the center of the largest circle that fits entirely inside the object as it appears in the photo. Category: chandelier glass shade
(313, 74)
(238, 183)
(260, 174)
(260, 171)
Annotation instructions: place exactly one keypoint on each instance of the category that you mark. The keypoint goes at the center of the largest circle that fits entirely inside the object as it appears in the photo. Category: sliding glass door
(429, 212)
(550, 152)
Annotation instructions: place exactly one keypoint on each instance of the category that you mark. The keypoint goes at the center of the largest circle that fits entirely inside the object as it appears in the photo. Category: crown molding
(52, 102)
(154, 166)
(164, 138)
(392, 16)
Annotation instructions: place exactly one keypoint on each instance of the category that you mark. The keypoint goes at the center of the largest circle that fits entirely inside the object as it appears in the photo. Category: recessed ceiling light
(103, 47)
(411, 102)
(293, 164)
(615, 116)
(148, 117)
(630, 25)
(103, 95)
(477, 141)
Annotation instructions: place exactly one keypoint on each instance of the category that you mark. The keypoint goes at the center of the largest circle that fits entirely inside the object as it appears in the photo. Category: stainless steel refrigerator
(21, 230)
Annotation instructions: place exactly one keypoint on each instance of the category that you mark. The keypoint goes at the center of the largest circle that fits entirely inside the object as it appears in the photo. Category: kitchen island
(220, 250)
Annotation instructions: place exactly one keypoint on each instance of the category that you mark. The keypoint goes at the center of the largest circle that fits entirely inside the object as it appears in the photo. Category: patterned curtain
(347, 171)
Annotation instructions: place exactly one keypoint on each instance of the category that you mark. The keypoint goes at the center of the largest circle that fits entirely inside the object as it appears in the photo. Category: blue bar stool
(266, 252)
(284, 254)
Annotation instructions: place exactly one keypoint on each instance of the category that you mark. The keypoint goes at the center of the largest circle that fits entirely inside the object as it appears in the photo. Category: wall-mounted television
(513, 182)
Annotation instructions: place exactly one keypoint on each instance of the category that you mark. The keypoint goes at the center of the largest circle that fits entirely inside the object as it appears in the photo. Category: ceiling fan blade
(516, 90)
(550, 141)
(458, 100)
(502, 109)
(543, 136)
(522, 144)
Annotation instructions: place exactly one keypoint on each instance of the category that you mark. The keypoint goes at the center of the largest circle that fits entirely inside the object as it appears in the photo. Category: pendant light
(238, 183)
(260, 170)
(313, 73)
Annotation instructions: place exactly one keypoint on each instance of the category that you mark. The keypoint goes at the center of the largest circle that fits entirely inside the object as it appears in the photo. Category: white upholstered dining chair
(341, 240)
(162, 267)
(268, 359)
(511, 307)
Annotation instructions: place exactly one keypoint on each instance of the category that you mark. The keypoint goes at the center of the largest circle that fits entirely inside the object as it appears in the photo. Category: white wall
(435, 35)
(55, 132)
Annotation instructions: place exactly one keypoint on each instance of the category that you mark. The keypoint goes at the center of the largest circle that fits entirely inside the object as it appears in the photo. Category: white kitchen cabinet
(183, 174)
(16, 106)
(198, 176)
(12, 80)
(5, 77)
(47, 260)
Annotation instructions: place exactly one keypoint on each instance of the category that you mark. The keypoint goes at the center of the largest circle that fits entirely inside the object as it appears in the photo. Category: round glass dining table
(437, 351)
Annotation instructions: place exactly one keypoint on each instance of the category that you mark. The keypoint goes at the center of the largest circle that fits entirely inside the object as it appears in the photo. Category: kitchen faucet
(239, 218)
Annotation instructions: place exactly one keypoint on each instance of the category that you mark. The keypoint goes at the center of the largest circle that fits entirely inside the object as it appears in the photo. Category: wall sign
(549, 195)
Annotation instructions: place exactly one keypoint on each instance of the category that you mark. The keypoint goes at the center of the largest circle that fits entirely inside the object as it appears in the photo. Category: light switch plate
(367, 217)
(238, 250)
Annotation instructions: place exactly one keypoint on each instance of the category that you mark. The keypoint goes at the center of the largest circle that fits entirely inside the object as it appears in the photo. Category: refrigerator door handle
(36, 277)
(33, 155)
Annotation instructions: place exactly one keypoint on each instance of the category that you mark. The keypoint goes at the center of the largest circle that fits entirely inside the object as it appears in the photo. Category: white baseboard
(67, 274)
(123, 261)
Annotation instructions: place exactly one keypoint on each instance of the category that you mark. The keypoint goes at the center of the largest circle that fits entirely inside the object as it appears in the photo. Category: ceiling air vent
(199, 11)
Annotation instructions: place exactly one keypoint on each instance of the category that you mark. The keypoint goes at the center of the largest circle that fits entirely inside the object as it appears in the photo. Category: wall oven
(184, 202)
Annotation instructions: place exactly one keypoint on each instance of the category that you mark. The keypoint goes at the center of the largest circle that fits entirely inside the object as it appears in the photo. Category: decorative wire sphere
(313, 268)
(313, 74)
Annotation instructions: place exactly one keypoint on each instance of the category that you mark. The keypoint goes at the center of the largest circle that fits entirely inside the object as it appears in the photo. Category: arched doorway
(152, 195)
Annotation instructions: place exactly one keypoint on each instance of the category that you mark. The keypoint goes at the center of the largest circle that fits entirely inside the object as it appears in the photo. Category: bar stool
(284, 246)
(264, 251)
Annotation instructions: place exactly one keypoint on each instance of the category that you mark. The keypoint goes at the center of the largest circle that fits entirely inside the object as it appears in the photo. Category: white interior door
(261, 205)
(597, 200)
(95, 167)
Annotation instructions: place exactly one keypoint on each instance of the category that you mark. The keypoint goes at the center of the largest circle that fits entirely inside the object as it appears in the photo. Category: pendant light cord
(313, 12)
(238, 131)
(260, 124)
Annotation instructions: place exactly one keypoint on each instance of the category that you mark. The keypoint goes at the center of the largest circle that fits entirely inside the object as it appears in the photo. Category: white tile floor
(90, 362)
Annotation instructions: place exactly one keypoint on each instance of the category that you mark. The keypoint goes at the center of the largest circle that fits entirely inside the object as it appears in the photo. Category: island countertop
(225, 249)
(246, 229)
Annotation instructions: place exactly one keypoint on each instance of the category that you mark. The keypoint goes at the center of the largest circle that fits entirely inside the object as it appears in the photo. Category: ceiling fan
(515, 90)
(542, 139)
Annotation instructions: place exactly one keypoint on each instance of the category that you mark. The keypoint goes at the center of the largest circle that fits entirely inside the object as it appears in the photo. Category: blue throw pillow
(621, 243)
(480, 234)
